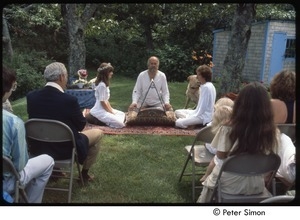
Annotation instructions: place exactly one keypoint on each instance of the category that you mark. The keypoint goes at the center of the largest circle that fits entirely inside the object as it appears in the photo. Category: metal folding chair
(53, 131)
(279, 199)
(205, 135)
(19, 192)
(248, 165)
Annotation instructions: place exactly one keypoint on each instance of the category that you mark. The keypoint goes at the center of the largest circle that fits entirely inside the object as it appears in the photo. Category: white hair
(53, 71)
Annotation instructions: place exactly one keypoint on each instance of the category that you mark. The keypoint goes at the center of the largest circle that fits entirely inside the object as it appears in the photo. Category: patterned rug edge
(148, 130)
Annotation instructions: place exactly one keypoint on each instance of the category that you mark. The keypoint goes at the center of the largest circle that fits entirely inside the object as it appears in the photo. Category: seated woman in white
(102, 109)
(287, 170)
(251, 130)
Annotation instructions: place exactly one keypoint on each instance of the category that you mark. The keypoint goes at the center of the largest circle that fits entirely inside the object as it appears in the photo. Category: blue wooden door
(277, 55)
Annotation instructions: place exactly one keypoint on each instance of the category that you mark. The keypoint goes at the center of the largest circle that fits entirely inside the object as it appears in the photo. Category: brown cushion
(92, 120)
(151, 117)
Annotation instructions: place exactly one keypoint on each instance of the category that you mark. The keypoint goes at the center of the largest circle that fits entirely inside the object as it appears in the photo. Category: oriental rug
(150, 130)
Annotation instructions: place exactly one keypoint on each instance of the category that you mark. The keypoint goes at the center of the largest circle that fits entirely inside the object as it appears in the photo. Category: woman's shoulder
(280, 110)
(101, 84)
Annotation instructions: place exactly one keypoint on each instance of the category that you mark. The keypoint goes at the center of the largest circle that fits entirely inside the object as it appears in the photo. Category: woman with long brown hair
(102, 109)
(251, 130)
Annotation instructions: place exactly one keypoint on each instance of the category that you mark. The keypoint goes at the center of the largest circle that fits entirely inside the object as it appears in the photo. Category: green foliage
(29, 71)
(117, 34)
(37, 27)
(174, 62)
(275, 11)
(125, 51)
(29, 15)
(19, 107)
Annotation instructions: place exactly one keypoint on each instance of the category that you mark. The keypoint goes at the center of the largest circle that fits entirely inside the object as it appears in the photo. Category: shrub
(174, 62)
(127, 57)
(29, 67)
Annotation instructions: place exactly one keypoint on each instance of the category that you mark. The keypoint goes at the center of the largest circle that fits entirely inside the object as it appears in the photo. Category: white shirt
(205, 107)
(102, 93)
(55, 85)
(287, 153)
(142, 85)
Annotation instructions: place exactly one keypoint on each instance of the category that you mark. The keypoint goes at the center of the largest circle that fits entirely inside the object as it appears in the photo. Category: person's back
(51, 102)
(280, 111)
(251, 130)
(205, 105)
(282, 87)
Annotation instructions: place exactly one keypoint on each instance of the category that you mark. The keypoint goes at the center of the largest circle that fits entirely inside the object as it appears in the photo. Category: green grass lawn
(135, 169)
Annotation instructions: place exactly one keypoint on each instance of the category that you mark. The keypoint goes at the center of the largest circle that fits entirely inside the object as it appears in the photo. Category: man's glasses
(14, 87)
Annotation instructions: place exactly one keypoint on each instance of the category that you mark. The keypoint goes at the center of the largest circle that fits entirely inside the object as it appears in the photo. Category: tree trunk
(75, 27)
(6, 39)
(237, 48)
(148, 37)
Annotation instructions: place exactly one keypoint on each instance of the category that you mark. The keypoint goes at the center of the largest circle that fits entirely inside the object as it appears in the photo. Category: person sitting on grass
(102, 110)
(157, 94)
(204, 111)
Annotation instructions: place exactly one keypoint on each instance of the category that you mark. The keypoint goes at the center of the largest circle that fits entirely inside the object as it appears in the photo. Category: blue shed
(271, 48)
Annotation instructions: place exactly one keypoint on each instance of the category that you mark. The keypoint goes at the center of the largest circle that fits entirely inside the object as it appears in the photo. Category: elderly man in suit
(51, 102)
